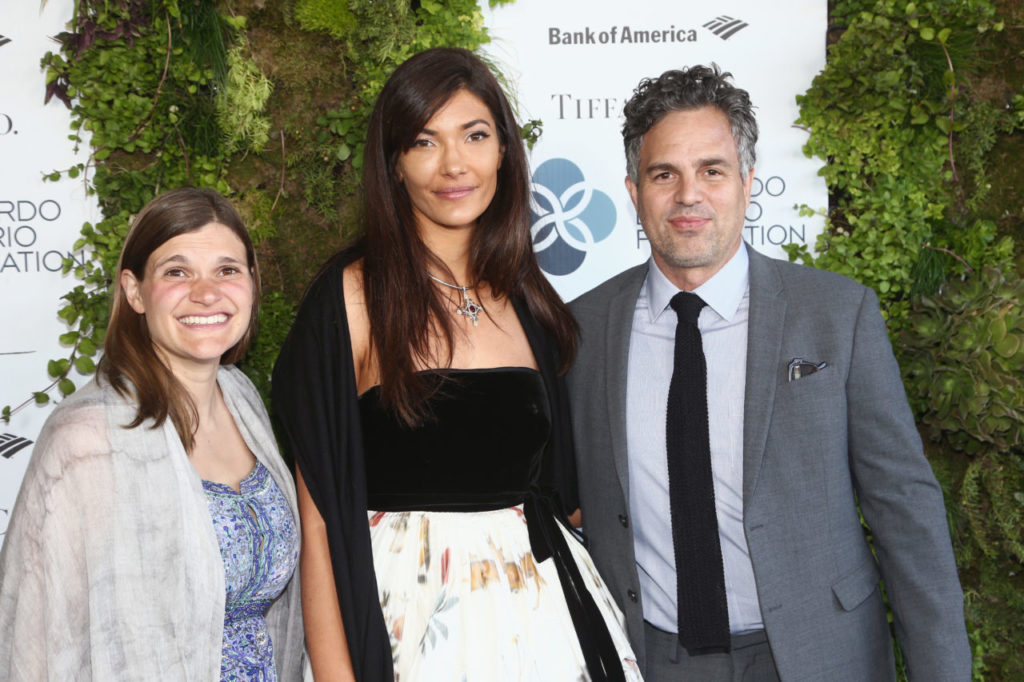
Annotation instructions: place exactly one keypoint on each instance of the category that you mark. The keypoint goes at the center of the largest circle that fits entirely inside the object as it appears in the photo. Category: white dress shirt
(723, 328)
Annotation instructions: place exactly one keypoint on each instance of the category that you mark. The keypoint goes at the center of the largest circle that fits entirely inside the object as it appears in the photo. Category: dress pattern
(463, 595)
(259, 543)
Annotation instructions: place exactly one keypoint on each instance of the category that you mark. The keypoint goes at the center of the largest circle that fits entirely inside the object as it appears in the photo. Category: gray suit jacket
(812, 450)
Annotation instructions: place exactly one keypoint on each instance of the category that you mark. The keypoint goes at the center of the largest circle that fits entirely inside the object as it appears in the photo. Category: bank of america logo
(567, 216)
(726, 27)
(10, 444)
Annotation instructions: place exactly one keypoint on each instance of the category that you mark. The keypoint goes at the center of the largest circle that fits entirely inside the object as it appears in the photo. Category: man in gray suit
(806, 419)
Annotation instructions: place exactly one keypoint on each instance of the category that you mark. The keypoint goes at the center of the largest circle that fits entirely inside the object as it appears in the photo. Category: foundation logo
(567, 216)
(725, 27)
(10, 444)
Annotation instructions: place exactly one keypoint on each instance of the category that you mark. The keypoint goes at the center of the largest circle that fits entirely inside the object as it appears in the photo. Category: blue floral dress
(259, 543)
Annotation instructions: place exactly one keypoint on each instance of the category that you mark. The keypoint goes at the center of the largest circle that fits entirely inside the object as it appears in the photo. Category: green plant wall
(918, 114)
(265, 102)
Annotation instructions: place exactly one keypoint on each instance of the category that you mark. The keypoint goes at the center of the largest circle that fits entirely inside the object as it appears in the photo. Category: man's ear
(748, 183)
(632, 189)
(132, 291)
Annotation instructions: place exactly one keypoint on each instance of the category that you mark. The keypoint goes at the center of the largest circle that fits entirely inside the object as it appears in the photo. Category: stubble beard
(677, 251)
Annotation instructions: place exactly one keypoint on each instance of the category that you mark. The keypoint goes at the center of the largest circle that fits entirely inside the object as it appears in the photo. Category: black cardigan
(316, 404)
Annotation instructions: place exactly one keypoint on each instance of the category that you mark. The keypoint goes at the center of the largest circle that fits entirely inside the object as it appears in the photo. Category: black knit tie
(700, 578)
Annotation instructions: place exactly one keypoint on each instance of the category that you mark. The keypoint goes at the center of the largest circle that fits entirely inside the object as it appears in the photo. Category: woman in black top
(421, 393)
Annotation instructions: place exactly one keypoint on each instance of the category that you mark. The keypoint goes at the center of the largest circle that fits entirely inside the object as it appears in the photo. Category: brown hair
(404, 309)
(130, 363)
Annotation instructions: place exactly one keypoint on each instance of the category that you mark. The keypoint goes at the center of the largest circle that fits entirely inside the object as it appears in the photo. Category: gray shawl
(111, 568)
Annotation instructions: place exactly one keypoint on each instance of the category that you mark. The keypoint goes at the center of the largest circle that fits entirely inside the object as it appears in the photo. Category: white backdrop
(573, 63)
(39, 222)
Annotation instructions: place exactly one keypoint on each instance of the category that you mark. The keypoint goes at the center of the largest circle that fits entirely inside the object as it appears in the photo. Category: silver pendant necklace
(469, 307)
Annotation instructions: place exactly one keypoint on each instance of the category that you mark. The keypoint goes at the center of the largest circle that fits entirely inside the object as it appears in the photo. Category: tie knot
(687, 306)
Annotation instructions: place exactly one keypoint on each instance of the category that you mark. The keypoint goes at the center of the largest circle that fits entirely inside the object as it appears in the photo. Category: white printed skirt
(465, 601)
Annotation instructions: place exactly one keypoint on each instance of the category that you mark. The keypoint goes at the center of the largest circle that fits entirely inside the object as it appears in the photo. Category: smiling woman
(156, 532)
(197, 296)
(172, 255)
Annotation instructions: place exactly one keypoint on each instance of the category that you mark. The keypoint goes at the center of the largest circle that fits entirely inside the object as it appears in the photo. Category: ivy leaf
(56, 368)
(41, 397)
(84, 364)
(87, 347)
(68, 313)
(66, 386)
(928, 33)
(430, 6)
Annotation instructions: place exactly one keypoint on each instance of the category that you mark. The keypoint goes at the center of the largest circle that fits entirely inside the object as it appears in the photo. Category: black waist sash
(540, 509)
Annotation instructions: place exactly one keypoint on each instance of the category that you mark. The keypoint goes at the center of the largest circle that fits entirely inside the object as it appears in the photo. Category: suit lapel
(764, 343)
(620, 325)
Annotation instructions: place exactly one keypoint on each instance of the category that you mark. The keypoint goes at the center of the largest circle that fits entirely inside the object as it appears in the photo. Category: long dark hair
(405, 310)
(130, 363)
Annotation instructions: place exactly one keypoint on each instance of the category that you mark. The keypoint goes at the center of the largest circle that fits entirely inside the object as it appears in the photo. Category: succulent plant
(964, 363)
(964, 371)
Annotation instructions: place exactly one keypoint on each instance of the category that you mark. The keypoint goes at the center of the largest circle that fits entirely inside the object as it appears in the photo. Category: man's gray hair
(684, 90)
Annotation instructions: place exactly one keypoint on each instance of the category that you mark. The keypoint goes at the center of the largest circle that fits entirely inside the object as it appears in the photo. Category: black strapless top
(481, 449)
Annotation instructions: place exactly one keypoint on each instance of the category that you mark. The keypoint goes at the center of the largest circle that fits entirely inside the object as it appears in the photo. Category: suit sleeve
(903, 505)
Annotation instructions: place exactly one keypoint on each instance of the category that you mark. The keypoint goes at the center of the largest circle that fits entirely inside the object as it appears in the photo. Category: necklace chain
(453, 286)
(469, 307)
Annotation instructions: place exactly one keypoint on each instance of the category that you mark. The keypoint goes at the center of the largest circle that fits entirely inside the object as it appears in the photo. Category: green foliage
(147, 106)
(379, 36)
(910, 115)
(894, 116)
(325, 15)
(965, 370)
(994, 602)
(276, 315)
(966, 357)
(531, 131)
(171, 92)
(240, 104)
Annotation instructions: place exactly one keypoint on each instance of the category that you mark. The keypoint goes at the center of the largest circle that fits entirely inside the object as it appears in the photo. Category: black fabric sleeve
(316, 405)
(558, 467)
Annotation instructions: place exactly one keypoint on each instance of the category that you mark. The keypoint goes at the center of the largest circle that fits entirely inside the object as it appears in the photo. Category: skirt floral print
(463, 599)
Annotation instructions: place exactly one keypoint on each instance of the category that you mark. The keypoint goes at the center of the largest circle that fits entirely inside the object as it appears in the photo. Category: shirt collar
(723, 292)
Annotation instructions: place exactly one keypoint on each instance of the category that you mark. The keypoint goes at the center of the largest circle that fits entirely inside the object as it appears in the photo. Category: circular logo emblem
(567, 216)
